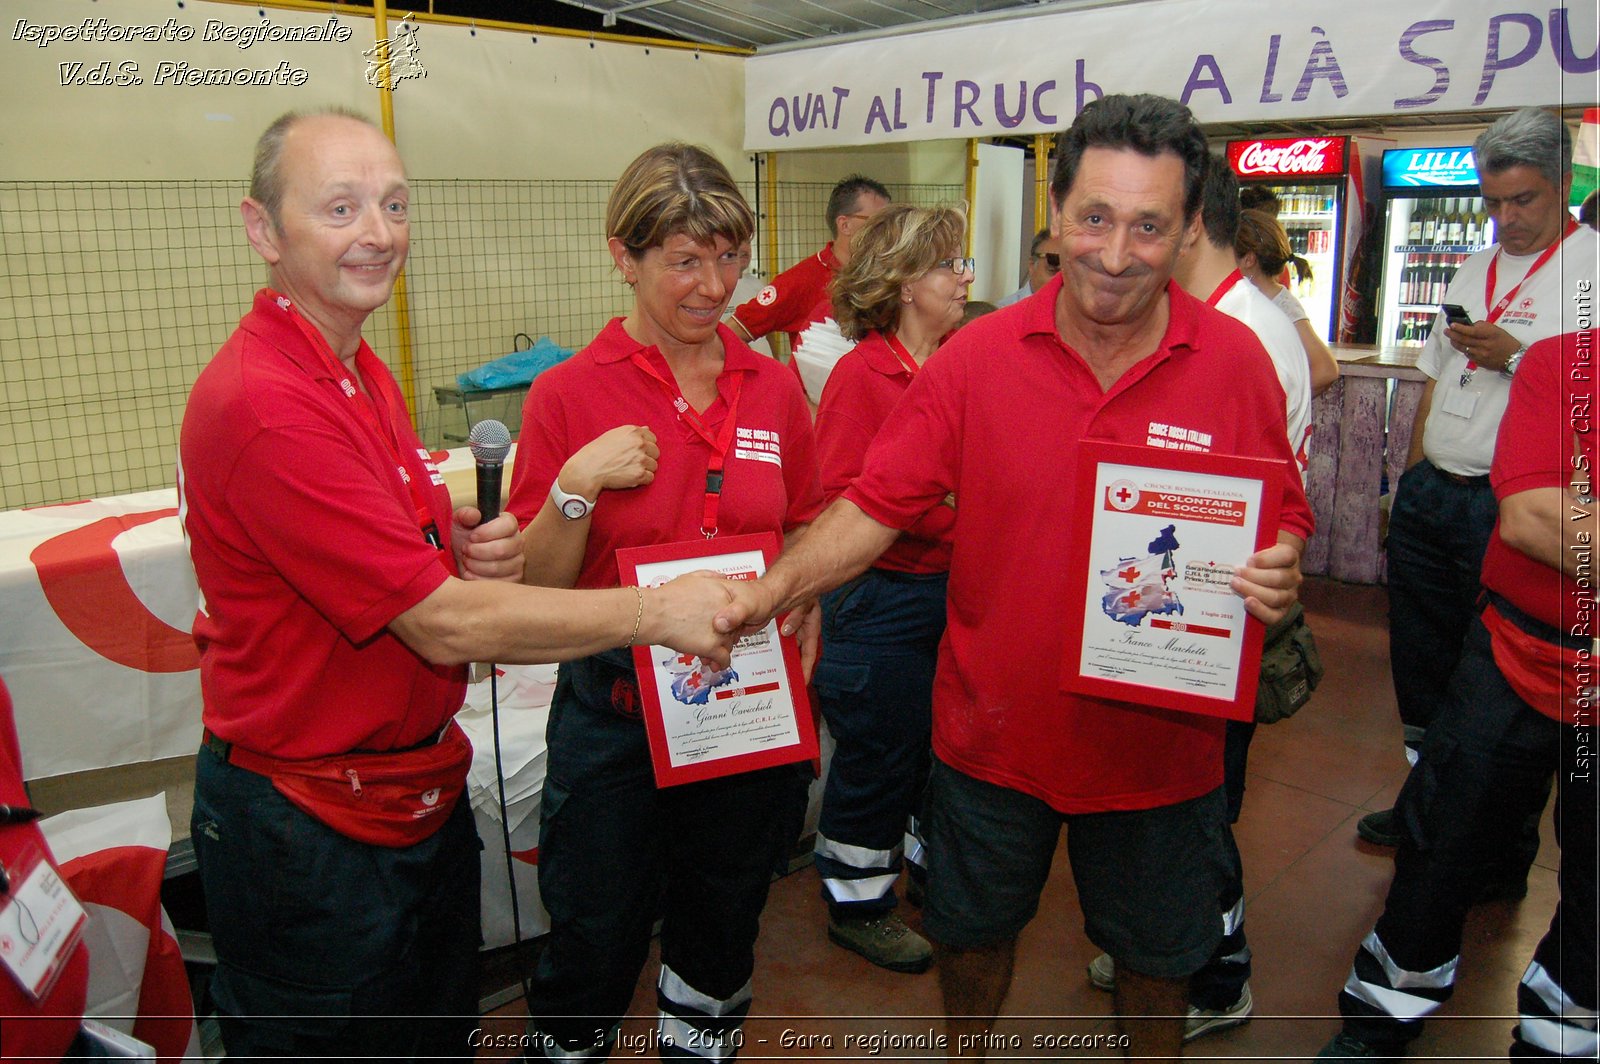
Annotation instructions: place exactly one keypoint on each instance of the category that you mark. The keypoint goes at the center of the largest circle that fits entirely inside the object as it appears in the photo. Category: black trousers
(328, 947)
(1483, 772)
(615, 853)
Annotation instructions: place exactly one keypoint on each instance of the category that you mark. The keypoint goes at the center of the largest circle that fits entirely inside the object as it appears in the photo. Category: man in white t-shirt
(1516, 291)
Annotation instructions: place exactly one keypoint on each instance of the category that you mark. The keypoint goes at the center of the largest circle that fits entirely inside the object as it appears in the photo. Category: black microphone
(490, 442)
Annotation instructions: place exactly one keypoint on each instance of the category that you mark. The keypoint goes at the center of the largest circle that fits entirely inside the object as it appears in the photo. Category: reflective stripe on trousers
(695, 1026)
(1380, 983)
(1550, 1020)
(856, 873)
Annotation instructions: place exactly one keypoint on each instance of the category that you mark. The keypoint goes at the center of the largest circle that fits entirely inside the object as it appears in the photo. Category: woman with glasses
(639, 439)
(903, 291)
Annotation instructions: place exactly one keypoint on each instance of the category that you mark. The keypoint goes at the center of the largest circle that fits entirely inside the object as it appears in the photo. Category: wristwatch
(572, 507)
(1514, 361)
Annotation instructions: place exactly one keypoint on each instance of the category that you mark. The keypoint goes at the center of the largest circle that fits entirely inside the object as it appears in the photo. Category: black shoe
(1381, 829)
(1347, 1047)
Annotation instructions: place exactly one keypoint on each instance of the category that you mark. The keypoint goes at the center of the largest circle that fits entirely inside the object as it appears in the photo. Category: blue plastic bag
(519, 367)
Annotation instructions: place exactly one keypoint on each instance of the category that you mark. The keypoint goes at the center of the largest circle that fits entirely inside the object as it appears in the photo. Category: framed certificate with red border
(702, 721)
(1154, 543)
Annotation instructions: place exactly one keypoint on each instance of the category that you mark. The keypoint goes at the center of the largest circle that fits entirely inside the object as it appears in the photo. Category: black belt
(222, 748)
(1464, 481)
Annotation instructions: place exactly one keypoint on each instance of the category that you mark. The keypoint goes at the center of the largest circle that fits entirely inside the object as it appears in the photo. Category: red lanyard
(901, 353)
(1494, 269)
(1224, 288)
(366, 411)
(718, 442)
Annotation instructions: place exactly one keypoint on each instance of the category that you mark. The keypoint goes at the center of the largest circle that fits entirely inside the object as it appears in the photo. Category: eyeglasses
(957, 266)
(1051, 259)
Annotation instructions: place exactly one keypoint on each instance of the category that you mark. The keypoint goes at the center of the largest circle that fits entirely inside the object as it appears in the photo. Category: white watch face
(572, 509)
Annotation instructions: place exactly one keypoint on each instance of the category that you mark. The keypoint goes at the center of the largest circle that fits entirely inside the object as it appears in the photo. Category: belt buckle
(220, 747)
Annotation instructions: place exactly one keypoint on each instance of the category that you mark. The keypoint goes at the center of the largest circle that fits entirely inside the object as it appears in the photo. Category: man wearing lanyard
(1517, 291)
(339, 599)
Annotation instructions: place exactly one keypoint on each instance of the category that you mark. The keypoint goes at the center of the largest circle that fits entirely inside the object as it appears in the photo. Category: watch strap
(572, 507)
(1514, 361)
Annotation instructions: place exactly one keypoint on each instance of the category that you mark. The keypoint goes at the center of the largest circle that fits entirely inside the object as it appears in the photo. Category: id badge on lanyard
(719, 442)
(1496, 309)
(40, 923)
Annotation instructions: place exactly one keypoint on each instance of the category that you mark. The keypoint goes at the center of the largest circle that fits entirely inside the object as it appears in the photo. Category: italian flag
(1586, 157)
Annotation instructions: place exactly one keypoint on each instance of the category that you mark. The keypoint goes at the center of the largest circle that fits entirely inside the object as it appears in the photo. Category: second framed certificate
(703, 721)
(1153, 618)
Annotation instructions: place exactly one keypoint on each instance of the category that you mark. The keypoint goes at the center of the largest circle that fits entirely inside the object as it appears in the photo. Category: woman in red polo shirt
(904, 290)
(666, 428)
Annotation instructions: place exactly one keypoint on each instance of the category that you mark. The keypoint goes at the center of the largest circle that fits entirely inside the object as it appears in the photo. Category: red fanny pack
(1534, 668)
(382, 799)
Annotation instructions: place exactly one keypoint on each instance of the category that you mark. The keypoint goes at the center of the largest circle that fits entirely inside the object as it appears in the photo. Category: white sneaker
(1103, 973)
(1103, 976)
(1205, 1021)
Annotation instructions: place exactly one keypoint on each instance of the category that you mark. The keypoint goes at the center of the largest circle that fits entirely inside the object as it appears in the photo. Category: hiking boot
(1381, 829)
(1348, 1047)
(1103, 973)
(1205, 1021)
(885, 941)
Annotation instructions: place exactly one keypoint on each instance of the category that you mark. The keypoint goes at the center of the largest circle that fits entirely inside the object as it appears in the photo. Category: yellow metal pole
(969, 191)
(402, 305)
(1041, 181)
(772, 215)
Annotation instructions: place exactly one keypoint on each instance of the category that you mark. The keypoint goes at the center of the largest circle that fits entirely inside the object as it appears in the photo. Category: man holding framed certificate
(1112, 352)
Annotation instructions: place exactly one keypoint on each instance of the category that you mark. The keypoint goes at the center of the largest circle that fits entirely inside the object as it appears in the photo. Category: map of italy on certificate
(1159, 610)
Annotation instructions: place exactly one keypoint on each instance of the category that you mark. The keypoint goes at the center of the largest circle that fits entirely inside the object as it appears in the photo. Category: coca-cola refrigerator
(1312, 178)
(1433, 218)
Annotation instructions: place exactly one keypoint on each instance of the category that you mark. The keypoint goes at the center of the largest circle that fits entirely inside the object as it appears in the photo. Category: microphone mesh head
(490, 441)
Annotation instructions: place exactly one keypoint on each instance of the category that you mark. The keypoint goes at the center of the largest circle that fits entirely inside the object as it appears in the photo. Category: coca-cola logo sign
(1301, 157)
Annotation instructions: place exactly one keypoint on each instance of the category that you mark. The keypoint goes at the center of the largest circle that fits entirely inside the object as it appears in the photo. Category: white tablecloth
(97, 600)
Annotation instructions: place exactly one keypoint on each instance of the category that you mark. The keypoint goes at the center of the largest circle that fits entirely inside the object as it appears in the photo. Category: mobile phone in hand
(1454, 314)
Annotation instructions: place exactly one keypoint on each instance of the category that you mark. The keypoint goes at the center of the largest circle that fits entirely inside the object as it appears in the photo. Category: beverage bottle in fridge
(1458, 223)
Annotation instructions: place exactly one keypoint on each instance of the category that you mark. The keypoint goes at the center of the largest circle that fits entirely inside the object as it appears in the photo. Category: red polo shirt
(769, 480)
(796, 297)
(1551, 405)
(306, 545)
(995, 416)
(864, 386)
